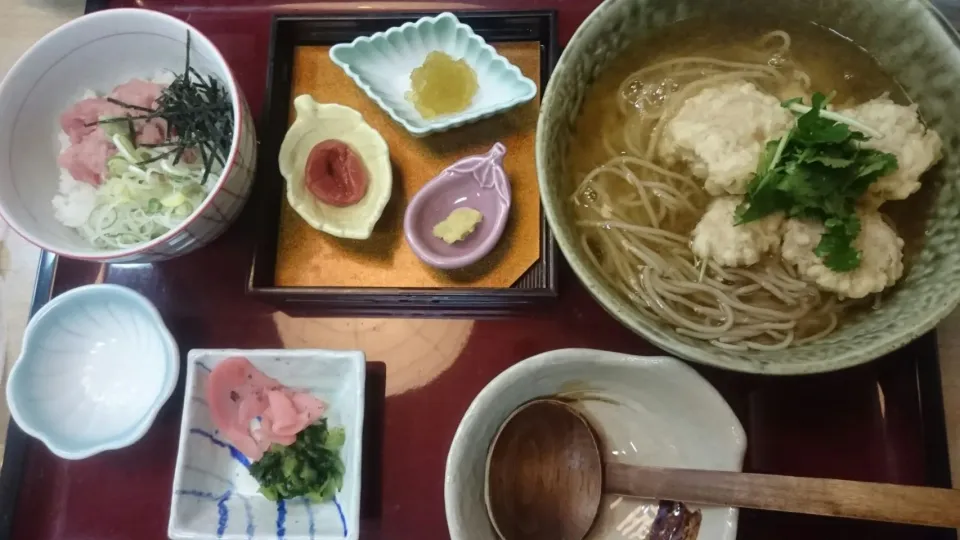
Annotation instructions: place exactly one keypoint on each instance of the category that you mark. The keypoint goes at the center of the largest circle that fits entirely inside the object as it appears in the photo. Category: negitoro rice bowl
(143, 157)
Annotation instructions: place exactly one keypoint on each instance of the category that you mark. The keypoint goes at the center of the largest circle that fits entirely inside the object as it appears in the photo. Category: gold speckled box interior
(310, 258)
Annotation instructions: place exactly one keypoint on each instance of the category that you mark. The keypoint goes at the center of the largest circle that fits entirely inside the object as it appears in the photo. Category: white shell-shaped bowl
(97, 364)
(667, 416)
(381, 65)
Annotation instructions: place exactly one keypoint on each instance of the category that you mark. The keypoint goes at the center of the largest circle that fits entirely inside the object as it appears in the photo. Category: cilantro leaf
(812, 128)
(873, 162)
(818, 171)
(800, 184)
(760, 205)
(836, 244)
(766, 159)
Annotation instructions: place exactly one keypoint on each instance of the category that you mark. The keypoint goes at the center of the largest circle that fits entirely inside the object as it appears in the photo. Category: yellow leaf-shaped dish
(318, 122)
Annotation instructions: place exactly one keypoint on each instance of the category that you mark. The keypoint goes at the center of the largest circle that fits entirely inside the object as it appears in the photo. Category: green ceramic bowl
(913, 42)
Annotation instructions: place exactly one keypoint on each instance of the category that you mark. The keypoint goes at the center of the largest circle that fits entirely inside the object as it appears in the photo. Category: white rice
(75, 200)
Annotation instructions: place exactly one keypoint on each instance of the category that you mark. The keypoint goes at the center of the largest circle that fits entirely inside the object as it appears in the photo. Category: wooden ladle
(545, 477)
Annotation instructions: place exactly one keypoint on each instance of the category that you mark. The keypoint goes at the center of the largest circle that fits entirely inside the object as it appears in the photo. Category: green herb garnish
(818, 171)
(310, 467)
(199, 116)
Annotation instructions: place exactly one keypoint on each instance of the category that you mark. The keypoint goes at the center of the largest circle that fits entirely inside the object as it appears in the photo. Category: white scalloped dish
(318, 123)
(97, 364)
(382, 63)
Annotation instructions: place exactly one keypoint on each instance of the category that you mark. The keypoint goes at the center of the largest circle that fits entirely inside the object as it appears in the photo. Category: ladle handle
(823, 497)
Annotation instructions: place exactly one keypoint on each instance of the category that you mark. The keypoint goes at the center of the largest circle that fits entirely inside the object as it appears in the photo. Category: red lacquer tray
(880, 422)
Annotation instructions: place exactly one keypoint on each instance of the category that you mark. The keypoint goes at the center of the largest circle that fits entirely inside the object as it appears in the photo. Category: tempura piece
(881, 256)
(717, 237)
(720, 134)
(904, 135)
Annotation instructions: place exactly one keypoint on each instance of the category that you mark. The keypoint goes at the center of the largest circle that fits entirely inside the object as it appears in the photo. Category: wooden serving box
(370, 283)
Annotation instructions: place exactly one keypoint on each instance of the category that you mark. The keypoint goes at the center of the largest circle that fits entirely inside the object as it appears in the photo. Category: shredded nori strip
(199, 115)
(128, 106)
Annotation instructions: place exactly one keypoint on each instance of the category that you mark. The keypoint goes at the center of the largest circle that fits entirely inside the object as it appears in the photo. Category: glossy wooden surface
(894, 503)
(869, 423)
(547, 452)
(880, 422)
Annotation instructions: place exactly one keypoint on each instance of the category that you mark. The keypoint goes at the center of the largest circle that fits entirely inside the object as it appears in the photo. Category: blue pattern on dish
(234, 453)
(223, 512)
(251, 528)
(343, 519)
(247, 510)
(198, 470)
(214, 494)
(199, 494)
(222, 509)
(281, 519)
(311, 526)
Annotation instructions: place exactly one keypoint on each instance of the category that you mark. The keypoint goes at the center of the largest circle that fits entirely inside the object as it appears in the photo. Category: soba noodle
(634, 215)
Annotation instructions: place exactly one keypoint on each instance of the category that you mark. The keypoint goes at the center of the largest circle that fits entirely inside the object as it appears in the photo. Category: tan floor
(25, 21)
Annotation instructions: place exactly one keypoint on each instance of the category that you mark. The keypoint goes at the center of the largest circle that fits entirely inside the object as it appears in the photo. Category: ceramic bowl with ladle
(545, 477)
(649, 410)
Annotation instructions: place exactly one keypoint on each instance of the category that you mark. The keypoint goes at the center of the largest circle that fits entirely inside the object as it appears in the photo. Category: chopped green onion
(124, 147)
(174, 200)
(183, 210)
(117, 166)
(114, 126)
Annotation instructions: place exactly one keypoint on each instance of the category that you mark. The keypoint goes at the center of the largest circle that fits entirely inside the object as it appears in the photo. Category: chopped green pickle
(310, 467)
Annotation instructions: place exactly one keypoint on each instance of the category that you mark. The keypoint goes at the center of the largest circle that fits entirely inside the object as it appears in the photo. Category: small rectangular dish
(215, 497)
(381, 65)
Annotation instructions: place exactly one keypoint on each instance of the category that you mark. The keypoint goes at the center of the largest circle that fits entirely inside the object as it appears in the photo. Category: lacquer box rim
(537, 287)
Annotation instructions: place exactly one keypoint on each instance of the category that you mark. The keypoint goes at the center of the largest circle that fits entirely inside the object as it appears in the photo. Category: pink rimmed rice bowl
(98, 52)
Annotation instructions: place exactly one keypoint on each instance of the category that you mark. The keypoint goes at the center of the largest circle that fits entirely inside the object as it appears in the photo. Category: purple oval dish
(477, 182)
